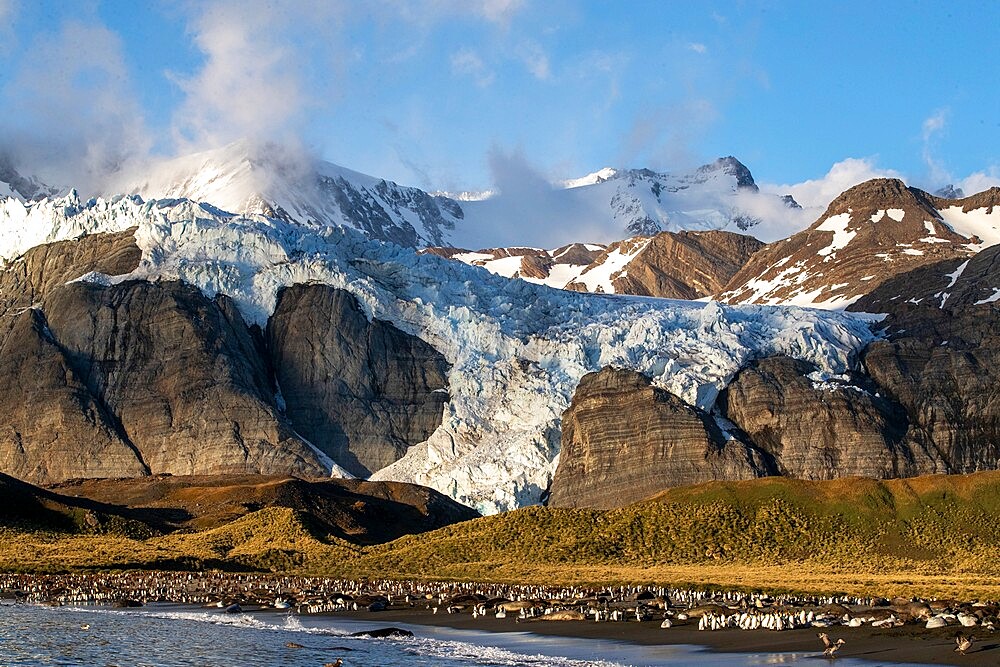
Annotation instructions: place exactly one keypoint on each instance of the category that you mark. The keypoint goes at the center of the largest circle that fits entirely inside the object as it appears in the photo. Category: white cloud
(979, 181)
(498, 11)
(71, 111)
(934, 123)
(254, 79)
(697, 47)
(932, 126)
(845, 174)
(467, 62)
(535, 59)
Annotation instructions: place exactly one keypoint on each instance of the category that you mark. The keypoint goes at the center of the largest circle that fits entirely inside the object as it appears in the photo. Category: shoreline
(898, 637)
(902, 645)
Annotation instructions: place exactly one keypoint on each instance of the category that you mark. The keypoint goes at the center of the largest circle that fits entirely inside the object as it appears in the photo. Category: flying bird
(830, 648)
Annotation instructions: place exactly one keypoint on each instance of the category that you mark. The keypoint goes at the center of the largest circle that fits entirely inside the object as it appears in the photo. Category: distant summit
(611, 204)
(949, 192)
(13, 184)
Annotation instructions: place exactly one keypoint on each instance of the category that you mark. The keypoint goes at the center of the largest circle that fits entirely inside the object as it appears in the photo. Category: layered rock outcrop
(950, 286)
(51, 426)
(182, 376)
(944, 369)
(27, 280)
(361, 391)
(823, 429)
(624, 439)
(679, 265)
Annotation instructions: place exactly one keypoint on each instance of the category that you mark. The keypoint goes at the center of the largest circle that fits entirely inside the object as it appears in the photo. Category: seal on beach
(382, 632)
(963, 643)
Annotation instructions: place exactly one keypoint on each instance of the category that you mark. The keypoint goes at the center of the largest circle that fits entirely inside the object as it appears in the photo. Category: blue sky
(432, 92)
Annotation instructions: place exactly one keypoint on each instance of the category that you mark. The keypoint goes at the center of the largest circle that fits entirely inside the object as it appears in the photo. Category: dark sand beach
(908, 644)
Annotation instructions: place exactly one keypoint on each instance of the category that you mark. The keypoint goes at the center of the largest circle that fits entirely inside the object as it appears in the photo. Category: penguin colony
(710, 610)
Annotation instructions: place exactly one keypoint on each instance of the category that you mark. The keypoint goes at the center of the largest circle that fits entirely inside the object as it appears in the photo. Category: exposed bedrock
(687, 265)
(51, 427)
(27, 279)
(624, 439)
(944, 369)
(822, 430)
(361, 391)
(181, 376)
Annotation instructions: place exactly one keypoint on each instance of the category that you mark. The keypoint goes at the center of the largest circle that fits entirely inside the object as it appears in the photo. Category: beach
(884, 631)
(907, 644)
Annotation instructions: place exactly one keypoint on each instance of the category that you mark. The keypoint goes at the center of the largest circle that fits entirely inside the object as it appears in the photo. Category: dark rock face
(361, 391)
(51, 427)
(29, 278)
(143, 378)
(951, 286)
(944, 369)
(181, 376)
(941, 356)
(822, 430)
(624, 440)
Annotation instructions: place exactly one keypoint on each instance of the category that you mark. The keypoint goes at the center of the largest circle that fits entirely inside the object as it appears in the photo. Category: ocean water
(169, 636)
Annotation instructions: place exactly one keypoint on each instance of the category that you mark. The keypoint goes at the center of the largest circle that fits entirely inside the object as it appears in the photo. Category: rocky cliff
(361, 391)
(154, 377)
(624, 440)
(29, 278)
(923, 401)
(181, 375)
(823, 428)
(51, 425)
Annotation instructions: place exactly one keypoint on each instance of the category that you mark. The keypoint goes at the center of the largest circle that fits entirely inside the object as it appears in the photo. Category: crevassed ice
(517, 350)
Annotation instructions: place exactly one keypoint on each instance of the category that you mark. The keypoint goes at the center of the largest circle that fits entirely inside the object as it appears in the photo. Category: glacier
(517, 349)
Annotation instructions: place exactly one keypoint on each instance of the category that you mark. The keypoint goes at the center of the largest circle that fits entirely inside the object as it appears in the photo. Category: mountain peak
(882, 194)
(949, 192)
(733, 167)
(21, 187)
(278, 181)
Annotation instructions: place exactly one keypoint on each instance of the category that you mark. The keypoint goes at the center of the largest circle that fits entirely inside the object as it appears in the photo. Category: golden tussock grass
(937, 535)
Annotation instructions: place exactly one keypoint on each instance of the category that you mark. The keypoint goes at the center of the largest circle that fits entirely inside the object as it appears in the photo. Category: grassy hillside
(930, 535)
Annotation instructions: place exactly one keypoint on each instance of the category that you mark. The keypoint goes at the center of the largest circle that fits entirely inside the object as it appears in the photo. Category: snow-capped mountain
(612, 204)
(515, 351)
(13, 184)
(266, 179)
(870, 233)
